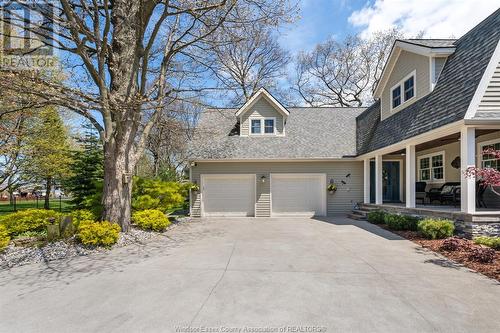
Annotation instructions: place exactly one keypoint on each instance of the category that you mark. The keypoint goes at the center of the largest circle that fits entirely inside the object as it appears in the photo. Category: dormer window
(256, 128)
(269, 126)
(396, 97)
(409, 88)
(403, 91)
(259, 126)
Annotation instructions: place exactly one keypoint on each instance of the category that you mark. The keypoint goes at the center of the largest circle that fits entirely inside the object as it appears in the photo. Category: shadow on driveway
(372, 228)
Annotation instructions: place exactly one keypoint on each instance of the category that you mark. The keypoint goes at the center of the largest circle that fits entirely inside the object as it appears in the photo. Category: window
(488, 160)
(431, 168)
(409, 88)
(256, 128)
(403, 91)
(260, 126)
(269, 126)
(396, 97)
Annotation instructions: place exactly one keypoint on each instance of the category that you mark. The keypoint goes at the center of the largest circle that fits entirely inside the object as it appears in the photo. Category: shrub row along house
(437, 109)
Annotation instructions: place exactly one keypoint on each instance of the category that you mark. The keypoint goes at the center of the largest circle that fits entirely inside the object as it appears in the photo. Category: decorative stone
(66, 226)
(53, 232)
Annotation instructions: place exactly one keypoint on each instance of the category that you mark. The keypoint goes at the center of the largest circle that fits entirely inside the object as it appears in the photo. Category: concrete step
(356, 216)
(360, 212)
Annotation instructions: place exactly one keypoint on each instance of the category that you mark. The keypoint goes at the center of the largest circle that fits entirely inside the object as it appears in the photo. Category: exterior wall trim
(262, 93)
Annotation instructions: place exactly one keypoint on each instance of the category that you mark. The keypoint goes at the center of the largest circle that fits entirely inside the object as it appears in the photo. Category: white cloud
(436, 18)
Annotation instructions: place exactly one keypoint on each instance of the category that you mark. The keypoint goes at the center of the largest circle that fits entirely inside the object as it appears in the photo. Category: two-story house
(437, 110)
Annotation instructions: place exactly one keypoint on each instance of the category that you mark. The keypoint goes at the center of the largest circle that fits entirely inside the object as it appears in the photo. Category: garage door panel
(228, 195)
(298, 194)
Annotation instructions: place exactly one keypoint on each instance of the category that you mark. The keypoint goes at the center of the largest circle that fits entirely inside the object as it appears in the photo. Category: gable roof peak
(262, 93)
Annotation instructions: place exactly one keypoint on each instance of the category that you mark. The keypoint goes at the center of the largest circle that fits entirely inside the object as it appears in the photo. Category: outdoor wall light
(263, 179)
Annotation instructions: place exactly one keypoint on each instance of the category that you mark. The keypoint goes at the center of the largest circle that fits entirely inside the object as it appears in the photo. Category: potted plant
(332, 188)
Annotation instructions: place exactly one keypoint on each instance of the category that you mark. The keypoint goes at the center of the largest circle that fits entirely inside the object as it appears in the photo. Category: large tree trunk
(48, 188)
(117, 189)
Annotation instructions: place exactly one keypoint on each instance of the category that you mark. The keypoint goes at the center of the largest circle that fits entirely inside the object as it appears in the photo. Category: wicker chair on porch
(420, 191)
(446, 193)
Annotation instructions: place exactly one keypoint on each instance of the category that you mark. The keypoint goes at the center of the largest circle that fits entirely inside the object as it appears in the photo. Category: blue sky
(321, 19)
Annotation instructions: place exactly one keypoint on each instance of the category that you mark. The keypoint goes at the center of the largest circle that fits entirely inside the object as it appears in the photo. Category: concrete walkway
(335, 275)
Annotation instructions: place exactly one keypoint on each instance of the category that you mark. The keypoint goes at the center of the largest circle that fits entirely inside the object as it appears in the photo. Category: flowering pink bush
(489, 176)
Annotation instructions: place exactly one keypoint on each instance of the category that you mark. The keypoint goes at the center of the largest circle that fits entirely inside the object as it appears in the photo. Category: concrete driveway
(334, 275)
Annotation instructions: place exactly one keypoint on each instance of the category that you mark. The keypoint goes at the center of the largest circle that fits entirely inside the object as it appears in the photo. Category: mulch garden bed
(461, 255)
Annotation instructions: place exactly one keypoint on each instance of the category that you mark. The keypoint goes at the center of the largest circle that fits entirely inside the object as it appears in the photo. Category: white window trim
(430, 156)
(262, 126)
(401, 85)
(480, 148)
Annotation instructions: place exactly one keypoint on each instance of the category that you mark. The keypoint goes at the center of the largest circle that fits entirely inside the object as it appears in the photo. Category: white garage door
(298, 194)
(228, 195)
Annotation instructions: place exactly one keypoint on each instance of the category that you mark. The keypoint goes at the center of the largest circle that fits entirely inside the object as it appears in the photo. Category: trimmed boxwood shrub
(98, 233)
(493, 242)
(435, 228)
(28, 220)
(401, 222)
(4, 237)
(151, 219)
(376, 216)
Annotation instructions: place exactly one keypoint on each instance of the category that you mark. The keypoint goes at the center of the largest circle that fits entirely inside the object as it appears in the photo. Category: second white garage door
(298, 194)
(228, 195)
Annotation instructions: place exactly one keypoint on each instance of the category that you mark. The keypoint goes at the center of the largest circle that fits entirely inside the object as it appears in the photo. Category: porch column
(366, 181)
(468, 159)
(378, 180)
(410, 176)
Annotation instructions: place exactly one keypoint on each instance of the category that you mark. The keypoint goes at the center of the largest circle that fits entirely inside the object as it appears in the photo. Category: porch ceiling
(444, 141)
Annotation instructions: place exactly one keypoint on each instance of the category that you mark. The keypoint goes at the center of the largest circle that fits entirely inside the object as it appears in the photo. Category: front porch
(427, 178)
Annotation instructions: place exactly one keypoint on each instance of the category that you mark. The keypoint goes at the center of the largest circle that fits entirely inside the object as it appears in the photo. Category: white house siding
(340, 202)
(491, 97)
(406, 63)
(261, 108)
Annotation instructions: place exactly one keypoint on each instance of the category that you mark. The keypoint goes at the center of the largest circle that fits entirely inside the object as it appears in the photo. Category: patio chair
(480, 189)
(445, 193)
(420, 191)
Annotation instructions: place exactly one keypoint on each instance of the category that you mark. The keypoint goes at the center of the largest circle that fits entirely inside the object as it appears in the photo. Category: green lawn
(6, 207)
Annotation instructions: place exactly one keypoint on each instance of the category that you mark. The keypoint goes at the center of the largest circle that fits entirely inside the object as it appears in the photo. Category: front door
(391, 171)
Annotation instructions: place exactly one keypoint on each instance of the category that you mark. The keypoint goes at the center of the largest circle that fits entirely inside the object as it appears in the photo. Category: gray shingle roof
(310, 133)
(432, 43)
(447, 103)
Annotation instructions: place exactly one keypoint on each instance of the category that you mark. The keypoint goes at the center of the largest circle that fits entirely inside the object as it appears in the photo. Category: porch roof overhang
(416, 140)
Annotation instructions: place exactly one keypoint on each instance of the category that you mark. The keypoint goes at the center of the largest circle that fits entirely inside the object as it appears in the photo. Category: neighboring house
(438, 102)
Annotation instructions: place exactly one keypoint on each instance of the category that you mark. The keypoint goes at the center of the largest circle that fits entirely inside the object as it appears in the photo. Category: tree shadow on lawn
(371, 228)
(51, 274)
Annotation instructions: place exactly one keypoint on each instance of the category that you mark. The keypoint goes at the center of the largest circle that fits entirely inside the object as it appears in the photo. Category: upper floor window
(409, 88)
(262, 126)
(396, 97)
(431, 168)
(403, 91)
(269, 126)
(255, 126)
